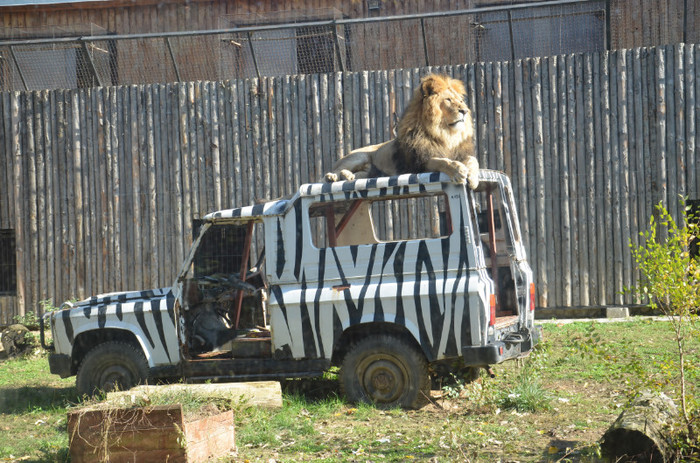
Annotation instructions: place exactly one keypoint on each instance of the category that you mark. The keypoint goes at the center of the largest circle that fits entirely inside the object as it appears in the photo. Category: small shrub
(453, 387)
(528, 394)
(671, 281)
(30, 320)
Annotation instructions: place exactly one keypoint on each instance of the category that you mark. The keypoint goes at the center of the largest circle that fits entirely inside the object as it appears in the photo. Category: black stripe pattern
(423, 285)
(150, 315)
(431, 287)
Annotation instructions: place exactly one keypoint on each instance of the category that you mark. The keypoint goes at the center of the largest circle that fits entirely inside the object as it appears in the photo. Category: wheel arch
(356, 332)
(87, 340)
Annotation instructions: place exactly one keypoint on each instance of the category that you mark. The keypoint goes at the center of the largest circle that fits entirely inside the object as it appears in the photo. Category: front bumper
(521, 343)
(60, 364)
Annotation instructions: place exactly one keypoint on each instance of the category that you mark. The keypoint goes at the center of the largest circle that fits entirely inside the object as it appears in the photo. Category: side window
(357, 222)
(412, 218)
(8, 269)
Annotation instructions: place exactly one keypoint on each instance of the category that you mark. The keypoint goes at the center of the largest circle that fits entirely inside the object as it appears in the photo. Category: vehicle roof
(280, 206)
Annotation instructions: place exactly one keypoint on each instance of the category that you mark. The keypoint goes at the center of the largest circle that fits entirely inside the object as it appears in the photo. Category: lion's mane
(435, 133)
(422, 133)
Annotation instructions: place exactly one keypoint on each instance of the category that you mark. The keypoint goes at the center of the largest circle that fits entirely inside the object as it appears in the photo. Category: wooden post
(31, 208)
(551, 114)
(599, 223)
(244, 268)
(539, 187)
(589, 167)
(564, 176)
(605, 78)
(580, 199)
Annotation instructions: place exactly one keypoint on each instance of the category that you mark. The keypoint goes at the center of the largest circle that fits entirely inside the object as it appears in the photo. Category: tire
(386, 371)
(111, 366)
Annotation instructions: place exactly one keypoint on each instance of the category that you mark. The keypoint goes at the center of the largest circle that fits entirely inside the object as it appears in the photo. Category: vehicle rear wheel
(387, 371)
(110, 366)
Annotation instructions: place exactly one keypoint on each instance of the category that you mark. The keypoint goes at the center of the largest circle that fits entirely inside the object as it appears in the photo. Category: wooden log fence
(101, 185)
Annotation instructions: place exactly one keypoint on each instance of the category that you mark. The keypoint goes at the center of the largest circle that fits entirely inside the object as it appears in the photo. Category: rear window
(493, 213)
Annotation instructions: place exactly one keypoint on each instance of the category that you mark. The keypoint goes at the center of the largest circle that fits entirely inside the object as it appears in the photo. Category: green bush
(671, 281)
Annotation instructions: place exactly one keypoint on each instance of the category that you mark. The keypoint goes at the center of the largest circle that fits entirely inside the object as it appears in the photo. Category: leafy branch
(671, 281)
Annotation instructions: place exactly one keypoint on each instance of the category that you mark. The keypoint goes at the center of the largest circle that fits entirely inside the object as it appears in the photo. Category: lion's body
(435, 133)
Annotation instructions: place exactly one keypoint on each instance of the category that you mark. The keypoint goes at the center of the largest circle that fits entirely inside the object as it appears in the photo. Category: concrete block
(159, 433)
(253, 393)
(617, 312)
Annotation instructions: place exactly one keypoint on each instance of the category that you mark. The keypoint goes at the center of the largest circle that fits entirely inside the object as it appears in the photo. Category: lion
(435, 134)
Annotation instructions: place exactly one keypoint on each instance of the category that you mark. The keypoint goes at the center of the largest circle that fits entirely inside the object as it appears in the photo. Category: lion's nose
(462, 111)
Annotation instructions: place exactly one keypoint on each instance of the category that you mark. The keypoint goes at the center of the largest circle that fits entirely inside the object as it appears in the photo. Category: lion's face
(444, 113)
(453, 111)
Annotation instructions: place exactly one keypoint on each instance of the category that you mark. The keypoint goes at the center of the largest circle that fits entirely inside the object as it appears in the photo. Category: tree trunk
(640, 433)
(15, 340)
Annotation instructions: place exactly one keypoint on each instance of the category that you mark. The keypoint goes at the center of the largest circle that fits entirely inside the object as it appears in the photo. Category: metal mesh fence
(545, 31)
(485, 34)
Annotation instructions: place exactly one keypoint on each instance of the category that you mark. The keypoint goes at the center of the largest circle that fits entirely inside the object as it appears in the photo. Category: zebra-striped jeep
(394, 279)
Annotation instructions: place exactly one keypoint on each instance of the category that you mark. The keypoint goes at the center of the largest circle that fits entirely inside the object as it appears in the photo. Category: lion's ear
(427, 86)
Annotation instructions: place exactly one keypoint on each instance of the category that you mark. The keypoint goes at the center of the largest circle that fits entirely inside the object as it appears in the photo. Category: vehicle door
(400, 252)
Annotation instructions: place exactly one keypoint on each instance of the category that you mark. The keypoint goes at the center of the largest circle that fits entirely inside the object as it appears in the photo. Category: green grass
(33, 407)
(554, 405)
(639, 354)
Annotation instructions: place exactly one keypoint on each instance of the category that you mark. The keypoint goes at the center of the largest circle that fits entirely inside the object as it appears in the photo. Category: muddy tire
(111, 366)
(387, 371)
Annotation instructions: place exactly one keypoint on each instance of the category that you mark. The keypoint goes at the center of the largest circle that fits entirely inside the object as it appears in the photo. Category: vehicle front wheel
(387, 371)
(111, 366)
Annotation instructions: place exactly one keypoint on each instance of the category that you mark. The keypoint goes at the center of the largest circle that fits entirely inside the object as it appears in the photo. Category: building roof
(6, 3)
(73, 4)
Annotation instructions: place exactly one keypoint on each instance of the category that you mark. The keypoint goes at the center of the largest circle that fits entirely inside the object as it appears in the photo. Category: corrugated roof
(6, 3)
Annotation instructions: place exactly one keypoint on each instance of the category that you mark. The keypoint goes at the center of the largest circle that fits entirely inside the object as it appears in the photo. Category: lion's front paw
(339, 176)
(347, 175)
(471, 167)
(473, 180)
(459, 173)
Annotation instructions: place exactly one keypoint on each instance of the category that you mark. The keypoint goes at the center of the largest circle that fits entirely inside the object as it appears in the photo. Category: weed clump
(527, 395)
